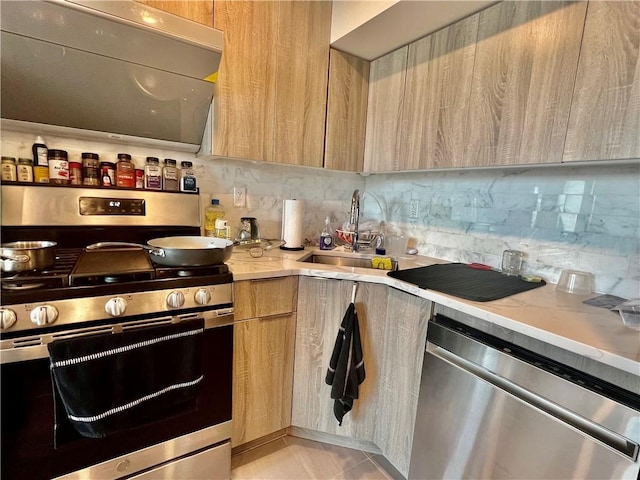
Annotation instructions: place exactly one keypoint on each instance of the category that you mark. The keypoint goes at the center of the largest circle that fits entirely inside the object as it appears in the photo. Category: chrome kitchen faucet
(354, 218)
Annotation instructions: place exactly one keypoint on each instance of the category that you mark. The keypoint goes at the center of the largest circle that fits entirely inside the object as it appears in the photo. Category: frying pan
(184, 251)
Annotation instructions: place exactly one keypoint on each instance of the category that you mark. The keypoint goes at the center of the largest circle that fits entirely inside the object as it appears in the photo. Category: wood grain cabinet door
(302, 63)
(346, 112)
(393, 328)
(265, 297)
(387, 76)
(526, 61)
(605, 112)
(262, 376)
(244, 98)
(270, 101)
(438, 85)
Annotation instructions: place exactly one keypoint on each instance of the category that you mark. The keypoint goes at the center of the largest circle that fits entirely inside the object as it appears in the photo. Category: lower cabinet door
(262, 376)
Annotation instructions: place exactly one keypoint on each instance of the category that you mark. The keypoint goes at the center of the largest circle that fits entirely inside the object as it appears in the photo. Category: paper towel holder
(286, 213)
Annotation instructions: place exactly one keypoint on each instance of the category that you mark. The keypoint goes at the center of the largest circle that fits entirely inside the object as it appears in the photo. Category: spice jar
(187, 177)
(170, 180)
(107, 174)
(90, 169)
(25, 170)
(9, 173)
(58, 167)
(125, 171)
(75, 173)
(153, 174)
(139, 178)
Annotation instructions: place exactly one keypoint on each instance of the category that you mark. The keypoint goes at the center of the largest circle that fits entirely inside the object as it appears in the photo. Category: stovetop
(79, 273)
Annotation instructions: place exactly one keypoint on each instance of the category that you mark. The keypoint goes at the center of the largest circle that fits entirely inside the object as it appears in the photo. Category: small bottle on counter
(125, 171)
(107, 174)
(170, 181)
(9, 173)
(326, 237)
(58, 167)
(152, 174)
(90, 169)
(187, 177)
(75, 173)
(212, 213)
(25, 170)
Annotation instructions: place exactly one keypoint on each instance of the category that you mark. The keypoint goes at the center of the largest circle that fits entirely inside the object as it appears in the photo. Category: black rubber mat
(460, 280)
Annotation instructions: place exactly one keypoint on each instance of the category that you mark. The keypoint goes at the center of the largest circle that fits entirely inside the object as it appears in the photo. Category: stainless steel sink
(358, 262)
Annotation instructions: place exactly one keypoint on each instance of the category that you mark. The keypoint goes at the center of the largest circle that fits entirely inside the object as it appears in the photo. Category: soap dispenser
(326, 237)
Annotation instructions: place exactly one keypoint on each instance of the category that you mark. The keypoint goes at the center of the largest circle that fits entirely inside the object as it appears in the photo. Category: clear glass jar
(170, 181)
(25, 170)
(187, 178)
(58, 167)
(153, 174)
(90, 169)
(9, 173)
(125, 171)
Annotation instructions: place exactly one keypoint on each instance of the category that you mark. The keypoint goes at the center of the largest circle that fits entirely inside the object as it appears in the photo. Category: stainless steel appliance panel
(473, 423)
(38, 206)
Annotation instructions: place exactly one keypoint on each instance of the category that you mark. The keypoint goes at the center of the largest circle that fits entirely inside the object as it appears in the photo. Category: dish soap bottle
(326, 237)
(212, 213)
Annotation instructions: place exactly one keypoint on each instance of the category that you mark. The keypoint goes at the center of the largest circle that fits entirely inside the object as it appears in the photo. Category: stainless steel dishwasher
(489, 409)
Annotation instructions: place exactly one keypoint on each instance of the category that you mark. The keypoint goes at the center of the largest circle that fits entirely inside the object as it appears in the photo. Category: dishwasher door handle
(618, 442)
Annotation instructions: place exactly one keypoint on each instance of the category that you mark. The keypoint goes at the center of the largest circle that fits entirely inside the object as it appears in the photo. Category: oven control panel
(111, 206)
(31, 316)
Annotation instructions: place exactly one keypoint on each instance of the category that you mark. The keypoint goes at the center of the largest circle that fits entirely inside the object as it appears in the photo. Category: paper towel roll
(292, 215)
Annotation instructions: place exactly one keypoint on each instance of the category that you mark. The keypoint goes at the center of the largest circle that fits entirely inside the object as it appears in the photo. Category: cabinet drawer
(265, 297)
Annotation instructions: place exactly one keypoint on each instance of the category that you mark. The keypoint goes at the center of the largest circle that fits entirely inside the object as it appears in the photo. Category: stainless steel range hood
(117, 67)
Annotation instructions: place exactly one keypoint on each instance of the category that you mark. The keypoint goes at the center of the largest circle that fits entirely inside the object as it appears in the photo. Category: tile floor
(293, 458)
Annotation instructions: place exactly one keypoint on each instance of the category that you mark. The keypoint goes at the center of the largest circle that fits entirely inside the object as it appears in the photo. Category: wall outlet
(239, 196)
(414, 209)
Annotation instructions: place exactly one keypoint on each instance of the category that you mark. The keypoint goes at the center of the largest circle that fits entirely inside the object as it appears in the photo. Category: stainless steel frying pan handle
(16, 258)
(155, 251)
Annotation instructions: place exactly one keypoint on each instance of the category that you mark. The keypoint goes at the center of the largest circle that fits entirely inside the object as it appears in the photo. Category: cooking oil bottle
(212, 213)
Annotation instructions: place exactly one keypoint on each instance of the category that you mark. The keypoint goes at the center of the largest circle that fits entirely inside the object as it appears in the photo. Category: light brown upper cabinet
(605, 112)
(387, 76)
(346, 112)
(270, 100)
(436, 102)
(525, 66)
(200, 11)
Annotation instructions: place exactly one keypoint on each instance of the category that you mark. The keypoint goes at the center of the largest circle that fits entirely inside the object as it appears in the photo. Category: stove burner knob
(203, 297)
(175, 299)
(43, 315)
(7, 318)
(115, 306)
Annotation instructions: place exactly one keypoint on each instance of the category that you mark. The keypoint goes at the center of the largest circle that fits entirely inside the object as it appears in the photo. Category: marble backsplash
(579, 217)
(568, 217)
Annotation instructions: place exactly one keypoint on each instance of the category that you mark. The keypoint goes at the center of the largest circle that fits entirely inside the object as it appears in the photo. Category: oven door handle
(35, 347)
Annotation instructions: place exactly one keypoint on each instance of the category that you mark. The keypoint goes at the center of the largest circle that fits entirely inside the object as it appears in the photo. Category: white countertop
(556, 318)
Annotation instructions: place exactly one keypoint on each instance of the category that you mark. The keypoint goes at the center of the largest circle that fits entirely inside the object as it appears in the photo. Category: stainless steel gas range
(112, 366)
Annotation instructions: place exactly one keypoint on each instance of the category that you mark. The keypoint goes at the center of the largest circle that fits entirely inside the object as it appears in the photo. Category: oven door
(183, 437)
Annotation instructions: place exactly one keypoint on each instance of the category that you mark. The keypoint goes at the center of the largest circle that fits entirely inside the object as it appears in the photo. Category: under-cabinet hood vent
(117, 67)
